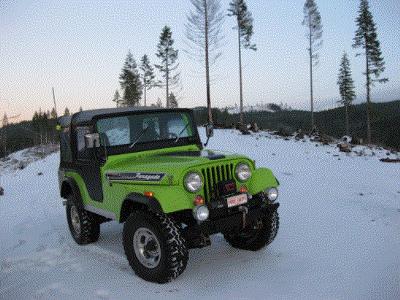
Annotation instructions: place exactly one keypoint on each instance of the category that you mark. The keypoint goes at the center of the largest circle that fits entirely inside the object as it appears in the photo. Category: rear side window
(80, 142)
(65, 145)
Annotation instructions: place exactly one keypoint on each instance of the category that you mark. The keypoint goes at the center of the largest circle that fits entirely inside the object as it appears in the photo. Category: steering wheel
(172, 135)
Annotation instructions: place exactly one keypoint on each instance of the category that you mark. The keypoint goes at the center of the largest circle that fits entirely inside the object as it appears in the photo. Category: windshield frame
(152, 145)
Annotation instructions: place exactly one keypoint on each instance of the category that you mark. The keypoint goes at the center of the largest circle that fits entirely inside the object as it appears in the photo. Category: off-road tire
(89, 224)
(256, 239)
(174, 253)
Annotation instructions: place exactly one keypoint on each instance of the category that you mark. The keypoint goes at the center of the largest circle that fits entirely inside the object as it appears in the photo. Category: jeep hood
(172, 163)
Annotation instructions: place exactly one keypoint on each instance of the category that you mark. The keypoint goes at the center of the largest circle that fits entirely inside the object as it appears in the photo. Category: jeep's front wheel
(256, 236)
(154, 247)
(84, 227)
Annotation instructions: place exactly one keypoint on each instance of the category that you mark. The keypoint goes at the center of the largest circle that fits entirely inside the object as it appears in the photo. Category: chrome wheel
(147, 247)
(76, 222)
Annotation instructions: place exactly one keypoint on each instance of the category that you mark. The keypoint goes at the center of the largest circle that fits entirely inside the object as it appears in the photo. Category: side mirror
(92, 140)
(209, 130)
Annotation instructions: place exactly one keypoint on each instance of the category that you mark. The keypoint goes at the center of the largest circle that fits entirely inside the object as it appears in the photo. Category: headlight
(243, 172)
(272, 194)
(201, 213)
(193, 182)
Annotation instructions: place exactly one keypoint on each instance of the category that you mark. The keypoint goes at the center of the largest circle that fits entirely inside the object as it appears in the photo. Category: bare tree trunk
(368, 98)
(311, 80)
(54, 100)
(210, 119)
(240, 77)
(144, 88)
(167, 81)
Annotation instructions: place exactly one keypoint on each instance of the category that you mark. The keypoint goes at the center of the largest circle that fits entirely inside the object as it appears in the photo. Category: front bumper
(197, 234)
(237, 220)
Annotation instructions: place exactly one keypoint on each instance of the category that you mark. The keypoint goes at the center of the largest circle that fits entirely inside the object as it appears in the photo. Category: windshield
(133, 130)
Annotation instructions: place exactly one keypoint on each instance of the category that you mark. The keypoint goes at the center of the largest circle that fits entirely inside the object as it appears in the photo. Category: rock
(326, 139)
(344, 147)
(22, 165)
(1, 191)
(40, 173)
(299, 135)
(243, 129)
(254, 127)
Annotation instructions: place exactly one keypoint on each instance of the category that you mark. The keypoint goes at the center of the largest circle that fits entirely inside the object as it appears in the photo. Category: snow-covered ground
(339, 236)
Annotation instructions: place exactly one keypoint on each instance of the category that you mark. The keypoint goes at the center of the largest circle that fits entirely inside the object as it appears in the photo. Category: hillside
(339, 235)
(385, 121)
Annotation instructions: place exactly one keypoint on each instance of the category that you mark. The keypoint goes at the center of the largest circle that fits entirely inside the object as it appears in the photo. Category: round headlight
(201, 213)
(243, 172)
(193, 182)
(272, 194)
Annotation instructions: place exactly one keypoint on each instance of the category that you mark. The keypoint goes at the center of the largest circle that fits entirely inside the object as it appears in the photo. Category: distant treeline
(385, 119)
(41, 130)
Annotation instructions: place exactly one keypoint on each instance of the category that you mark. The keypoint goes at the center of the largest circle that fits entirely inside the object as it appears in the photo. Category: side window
(80, 139)
(114, 131)
(65, 145)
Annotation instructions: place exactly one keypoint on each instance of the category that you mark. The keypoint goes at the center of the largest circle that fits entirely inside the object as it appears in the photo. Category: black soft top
(87, 116)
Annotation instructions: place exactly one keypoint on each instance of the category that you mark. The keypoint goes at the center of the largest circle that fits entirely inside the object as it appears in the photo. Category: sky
(79, 48)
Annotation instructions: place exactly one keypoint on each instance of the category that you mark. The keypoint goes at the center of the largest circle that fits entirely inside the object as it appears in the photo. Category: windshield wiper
(180, 133)
(139, 137)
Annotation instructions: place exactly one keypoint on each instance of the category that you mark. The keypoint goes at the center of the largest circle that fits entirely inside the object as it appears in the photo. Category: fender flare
(261, 179)
(139, 201)
(69, 186)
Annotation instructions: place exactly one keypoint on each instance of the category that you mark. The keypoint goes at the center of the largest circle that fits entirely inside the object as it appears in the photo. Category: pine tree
(53, 114)
(168, 57)
(66, 112)
(244, 19)
(312, 20)
(173, 102)
(204, 32)
(80, 109)
(366, 38)
(159, 103)
(117, 98)
(147, 76)
(346, 87)
(130, 82)
(4, 121)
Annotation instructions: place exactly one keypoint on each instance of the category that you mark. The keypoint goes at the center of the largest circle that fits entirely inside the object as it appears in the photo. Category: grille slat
(213, 175)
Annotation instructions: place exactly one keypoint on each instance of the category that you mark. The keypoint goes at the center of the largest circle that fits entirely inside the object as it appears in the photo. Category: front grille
(213, 175)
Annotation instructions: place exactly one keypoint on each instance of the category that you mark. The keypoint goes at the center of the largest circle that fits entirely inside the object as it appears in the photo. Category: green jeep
(148, 168)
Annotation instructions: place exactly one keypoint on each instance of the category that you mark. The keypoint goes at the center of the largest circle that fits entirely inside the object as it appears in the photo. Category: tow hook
(244, 211)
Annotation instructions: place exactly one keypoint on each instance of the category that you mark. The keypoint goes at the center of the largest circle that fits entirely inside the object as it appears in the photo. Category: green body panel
(261, 179)
(170, 191)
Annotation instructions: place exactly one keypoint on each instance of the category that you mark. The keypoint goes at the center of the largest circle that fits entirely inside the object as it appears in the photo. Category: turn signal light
(149, 194)
(243, 189)
(198, 200)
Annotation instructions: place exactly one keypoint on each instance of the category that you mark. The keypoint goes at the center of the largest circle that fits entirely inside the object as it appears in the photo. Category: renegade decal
(136, 176)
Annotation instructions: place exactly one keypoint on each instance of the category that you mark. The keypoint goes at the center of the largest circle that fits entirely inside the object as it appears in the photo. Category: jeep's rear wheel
(83, 225)
(256, 236)
(154, 246)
